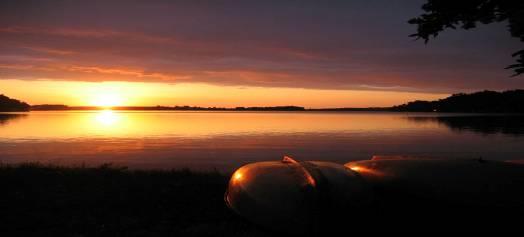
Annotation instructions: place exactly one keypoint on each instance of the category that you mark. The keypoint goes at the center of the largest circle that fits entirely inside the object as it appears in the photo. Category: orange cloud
(126, 72)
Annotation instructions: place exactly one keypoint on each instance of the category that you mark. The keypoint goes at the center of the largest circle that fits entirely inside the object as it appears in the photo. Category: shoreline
(276, 111)
(105, 200)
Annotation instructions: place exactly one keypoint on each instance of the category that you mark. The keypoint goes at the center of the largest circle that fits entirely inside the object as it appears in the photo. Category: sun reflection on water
(107, 118)
(44, 125)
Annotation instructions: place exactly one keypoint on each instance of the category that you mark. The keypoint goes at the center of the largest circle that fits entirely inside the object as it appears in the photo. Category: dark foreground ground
(52, 201)
(37, 200)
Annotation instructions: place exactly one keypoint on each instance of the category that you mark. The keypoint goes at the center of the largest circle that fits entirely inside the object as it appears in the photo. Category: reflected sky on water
(226, 140)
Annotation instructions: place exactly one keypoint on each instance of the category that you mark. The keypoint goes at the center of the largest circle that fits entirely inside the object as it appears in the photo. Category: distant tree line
(159, 108)
(50, 107)
(273, 108)
(11, 105)
(479, 102)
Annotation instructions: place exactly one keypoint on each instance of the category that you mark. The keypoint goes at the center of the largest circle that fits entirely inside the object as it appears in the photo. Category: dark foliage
(478, 102)
(417, 106)
(442, 14)
(11, 105)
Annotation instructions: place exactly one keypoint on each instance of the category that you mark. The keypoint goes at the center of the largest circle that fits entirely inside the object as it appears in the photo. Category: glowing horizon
(111, 94)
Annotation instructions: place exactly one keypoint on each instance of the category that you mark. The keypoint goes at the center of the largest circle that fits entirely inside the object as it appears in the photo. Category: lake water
(226, 140)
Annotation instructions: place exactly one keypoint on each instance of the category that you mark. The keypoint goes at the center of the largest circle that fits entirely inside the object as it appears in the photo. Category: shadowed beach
(107, 201)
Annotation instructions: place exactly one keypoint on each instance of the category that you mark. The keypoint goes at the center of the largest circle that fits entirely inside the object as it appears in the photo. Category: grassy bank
(48, 200)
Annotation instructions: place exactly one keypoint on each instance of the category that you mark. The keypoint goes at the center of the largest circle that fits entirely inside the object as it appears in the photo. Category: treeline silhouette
(511, 101)
(273, 108)
(50, 107)
(441, 15)
(11, 105)
(160, 108)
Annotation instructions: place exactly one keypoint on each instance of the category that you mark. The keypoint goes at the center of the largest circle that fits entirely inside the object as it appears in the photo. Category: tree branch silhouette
(466, 14)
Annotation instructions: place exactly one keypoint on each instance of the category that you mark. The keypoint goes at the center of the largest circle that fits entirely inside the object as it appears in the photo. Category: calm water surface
(226, 140)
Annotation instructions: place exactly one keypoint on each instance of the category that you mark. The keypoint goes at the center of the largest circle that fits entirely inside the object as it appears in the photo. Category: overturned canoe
(300, 197)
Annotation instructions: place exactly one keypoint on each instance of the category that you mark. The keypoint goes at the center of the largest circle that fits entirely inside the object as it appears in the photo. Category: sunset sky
(240, 53)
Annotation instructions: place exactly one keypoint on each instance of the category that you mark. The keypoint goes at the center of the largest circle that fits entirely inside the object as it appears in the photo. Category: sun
(107, 100)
